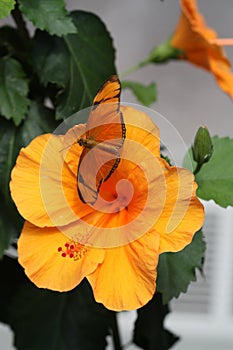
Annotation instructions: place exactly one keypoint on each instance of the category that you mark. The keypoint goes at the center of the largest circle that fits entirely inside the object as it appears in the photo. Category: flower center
(73, 250)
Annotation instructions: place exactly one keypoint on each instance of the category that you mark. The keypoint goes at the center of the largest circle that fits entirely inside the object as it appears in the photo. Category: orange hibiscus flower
(145, 208)
(200, 45)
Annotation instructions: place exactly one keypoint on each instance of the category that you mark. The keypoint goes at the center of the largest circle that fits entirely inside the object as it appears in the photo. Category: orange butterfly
(102, 141)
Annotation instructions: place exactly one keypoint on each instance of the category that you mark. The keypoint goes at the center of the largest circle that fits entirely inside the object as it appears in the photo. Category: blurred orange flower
(200, 45)
(145, 208)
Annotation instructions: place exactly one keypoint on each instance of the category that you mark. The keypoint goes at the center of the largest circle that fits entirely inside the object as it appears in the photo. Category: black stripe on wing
(116, 92)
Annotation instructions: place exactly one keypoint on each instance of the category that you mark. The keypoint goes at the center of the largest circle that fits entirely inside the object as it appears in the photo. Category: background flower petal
(196, 39)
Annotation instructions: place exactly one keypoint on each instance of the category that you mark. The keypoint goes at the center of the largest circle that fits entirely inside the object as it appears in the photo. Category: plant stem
(115, 332)
(22, 29)
(134, 68)
(198, 168)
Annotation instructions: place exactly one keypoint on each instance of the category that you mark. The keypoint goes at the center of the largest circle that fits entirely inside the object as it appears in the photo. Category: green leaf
(71, 63)
(91, 62)
(10, 223)
(59, 321)
(146, 94)
(215, 179)
(48, 15)
(50, 59)
(5, 7)
(11, 42)
(10, 220)
(39, 120)
(11, 275)
(13, 90)
(177, 270)
(149, 332)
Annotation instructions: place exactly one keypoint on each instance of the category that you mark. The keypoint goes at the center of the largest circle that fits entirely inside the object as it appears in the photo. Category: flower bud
(203, 147)
(163, 53)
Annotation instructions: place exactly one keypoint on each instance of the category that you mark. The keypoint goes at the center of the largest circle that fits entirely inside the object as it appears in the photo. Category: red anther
(74, 250)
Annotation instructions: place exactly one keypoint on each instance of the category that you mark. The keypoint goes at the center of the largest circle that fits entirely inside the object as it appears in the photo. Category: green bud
(163, 53)
(203, 147)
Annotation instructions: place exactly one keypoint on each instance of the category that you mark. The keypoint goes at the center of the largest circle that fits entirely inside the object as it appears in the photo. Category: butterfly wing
(106, 126)
(93, 166)
(87, 190)
(106, 121)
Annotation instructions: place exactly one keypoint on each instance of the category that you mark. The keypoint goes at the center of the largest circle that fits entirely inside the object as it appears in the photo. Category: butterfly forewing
(106, 128)
(109, 92)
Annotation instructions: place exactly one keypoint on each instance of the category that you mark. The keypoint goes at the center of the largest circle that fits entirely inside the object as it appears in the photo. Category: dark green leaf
(10, 223)
(5, 7)
(146, 94)
(71, 63)
(91, 62)
(40, 120)
(11, 42)
(43, 319)
(13, 90)
(215, 179)
(177, 270)
(10, 220)
(8, 153)
(50, 58)
(48, 15)
(11, 275)
(149, 332)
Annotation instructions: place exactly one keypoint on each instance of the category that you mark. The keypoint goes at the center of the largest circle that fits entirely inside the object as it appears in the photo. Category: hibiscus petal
(43, 187)
(46, 267)
(119, 218)
(127, 278)
(25, 182)
(140, 128)
(183, 213)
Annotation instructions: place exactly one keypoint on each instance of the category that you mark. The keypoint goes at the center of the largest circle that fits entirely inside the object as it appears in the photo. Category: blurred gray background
(188, 97)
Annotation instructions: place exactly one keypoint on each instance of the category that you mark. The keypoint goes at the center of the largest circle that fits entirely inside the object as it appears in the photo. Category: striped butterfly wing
(106, 127)
(86, 182)
(94, 164)
(106, 121)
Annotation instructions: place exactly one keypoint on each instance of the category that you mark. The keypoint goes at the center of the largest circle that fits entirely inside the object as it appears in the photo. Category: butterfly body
(102, 142)
(88, 143)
